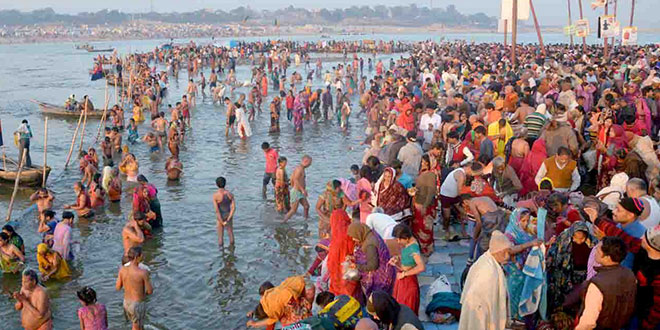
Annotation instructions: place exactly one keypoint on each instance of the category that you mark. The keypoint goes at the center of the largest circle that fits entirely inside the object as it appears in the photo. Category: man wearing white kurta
(484, 299)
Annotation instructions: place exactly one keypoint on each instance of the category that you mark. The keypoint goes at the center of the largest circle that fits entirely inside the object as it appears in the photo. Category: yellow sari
(45, 266)
(494, 135)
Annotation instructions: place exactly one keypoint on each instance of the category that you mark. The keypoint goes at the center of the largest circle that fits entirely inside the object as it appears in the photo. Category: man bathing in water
(174, 168)
(152, 142)
(159, 124)
(225, 206)
(132, 234)
(298, 188)
(192, 93)
(137, 286)
(231, 116)
(82, 204)
(33, 302)
(44, 199)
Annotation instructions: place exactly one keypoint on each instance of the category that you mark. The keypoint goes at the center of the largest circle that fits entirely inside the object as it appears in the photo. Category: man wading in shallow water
(225, 206)
(137, 286)
(298, 188)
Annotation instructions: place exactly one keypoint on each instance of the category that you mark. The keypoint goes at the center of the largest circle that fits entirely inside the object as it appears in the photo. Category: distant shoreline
(334, 32)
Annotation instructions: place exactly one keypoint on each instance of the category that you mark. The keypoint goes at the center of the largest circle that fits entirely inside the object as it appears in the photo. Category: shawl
(518, 235)
(275, 300)
(427, 188)
(349, 188)
(391, 196)
(341, 245)
(360, 232)
(484, 298)
(63, 270)
(243, 127)
(611, 194)
(560, 264)
(406, 121)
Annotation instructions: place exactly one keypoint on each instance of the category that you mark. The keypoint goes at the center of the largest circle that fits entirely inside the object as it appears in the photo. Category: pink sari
(364, 194)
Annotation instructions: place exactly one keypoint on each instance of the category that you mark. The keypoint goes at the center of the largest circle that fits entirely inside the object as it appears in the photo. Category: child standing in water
(132, 132)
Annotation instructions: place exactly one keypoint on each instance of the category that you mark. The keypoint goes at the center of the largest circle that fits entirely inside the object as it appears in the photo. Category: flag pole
(569, 21)
(514, 32)
(584, 39)
(43, 179)
(538, 29)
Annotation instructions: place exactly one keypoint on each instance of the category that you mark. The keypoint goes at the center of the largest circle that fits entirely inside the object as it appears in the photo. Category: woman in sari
(286, 303)
(521, 231)
(425, 204)
(281, 187)
(531, 166)
(141, 204)
(11, 258)
(363, 187)
(500, 132)
(390, 195)
(331, 199)
(371, 259)
(611, 138)
(409, 265)
(341, 247)
(298, 113)
(51, 264)
(567, 263)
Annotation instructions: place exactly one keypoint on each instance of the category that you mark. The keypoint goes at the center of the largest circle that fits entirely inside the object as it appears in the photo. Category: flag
(1, 143)
(245, 19)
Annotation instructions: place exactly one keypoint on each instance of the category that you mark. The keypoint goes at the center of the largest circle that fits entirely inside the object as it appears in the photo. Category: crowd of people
(547, 167)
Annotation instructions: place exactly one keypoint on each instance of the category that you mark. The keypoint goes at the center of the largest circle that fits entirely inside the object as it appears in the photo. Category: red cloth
(341, 245)
(516, 163)
(531, 165)
(406, 292)
(271, 160)
(422, 232)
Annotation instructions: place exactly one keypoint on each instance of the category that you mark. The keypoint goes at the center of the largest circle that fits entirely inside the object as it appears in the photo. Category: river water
(197, 285)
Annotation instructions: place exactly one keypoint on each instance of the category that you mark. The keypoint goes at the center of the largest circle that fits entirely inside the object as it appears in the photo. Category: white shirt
(654, 215)
(575, 177)
(449, 187)
(434, 119)
(382, 224)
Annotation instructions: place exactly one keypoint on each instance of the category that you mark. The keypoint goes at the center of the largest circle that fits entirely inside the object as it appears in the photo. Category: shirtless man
(485, 214)
(185, 110)
(115, 137)
(225, 206)
(202, 84)
(174, 168)
(152, 142)
(298, 188)
(132, 234)
(88, 169)
(137, 286)
(44, 200)
(33, 302)
(192, 93)
(82, 205)
(173, 142)
(231, 117)
(159, 124)
(106, 149)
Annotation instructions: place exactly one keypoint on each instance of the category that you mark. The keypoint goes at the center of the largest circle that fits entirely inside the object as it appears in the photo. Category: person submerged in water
(225, 206)
(174, 168)
(152, 142)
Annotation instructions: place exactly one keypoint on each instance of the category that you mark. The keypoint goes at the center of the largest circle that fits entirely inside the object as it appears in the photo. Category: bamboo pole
(4, 159)
(18, 179)
(73, 140)
(514, 32)
(605, 48)
(584, 39)
(615, 7)
(632, 13)
(536, 26)
(82, 133)
(105, 113)
(43, 178)
(505, 30)
(116, 96)
(570, 22)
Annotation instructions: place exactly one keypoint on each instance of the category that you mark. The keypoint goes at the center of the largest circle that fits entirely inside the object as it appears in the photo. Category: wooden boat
(111, 80)
(95, 50)
(54, 110)
(30, 177)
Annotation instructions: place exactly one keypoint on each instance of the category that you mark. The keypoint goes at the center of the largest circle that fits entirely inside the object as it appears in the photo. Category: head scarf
(619, 140)
(275, 300)
(359, 231)
(341, 245)
(384, 306)
(42, 252)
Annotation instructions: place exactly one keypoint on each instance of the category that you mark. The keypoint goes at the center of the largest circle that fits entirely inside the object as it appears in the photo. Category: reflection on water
(197, 285)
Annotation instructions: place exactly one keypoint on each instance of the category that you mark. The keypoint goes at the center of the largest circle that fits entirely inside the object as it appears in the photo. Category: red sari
(341, 246)
(392, 197)
(531, 165)
(608, 161)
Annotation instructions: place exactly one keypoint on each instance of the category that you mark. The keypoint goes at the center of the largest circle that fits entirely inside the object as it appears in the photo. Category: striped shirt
(534, 123)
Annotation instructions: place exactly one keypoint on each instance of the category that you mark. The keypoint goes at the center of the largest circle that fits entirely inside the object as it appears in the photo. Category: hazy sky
(550, 12)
